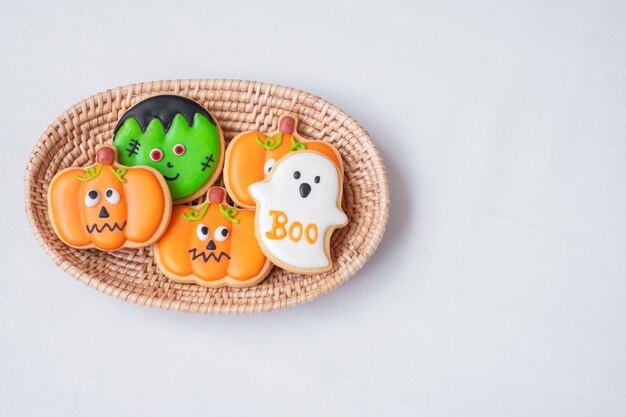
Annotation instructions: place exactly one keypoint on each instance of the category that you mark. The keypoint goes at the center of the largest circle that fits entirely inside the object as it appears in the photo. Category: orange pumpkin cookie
(212, 245)
(251, 156)
(109, 206)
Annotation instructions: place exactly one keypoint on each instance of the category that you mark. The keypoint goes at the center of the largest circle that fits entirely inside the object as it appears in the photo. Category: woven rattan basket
(132, 275)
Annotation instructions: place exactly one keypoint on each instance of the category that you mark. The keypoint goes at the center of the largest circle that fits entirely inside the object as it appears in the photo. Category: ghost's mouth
(206, 257)
(106, 226)
(174, 178)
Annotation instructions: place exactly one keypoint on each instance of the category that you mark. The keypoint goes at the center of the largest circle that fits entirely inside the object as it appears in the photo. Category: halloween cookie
(213, 245)
(176, 136)
(297, 208)
(251, 156)
(108, 205)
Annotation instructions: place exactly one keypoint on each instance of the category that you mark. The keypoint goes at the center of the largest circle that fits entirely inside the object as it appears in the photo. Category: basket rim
(34, 165)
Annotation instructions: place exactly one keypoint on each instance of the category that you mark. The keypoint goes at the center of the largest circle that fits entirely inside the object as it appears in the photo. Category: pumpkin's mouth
(206, 257)
(106, 226)
(174, 178)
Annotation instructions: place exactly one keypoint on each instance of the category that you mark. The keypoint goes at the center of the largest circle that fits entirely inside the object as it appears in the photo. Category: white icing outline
(324, 210)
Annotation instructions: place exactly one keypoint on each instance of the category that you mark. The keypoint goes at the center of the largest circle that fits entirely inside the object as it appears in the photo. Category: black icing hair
(164, 108)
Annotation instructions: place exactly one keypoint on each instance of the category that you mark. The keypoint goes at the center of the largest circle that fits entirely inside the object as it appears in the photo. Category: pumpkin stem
(287, 124)
(217, 195)
(106, 155)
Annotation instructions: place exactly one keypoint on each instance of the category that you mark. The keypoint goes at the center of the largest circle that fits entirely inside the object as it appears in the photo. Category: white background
(500, 286)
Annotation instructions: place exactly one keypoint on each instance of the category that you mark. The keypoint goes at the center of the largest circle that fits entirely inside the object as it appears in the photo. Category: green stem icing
(271, 143)
(229, 213)
(195, 214)
(296, 146)
(119, 173)
(90, 173)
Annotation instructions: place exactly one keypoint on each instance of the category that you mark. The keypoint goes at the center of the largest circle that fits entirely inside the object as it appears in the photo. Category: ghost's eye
(221, 233)
(92, 198)
(203, 231)
(156, 154)
(296, 175)
(112, 195)
(269, 165)
(317, 179)
(179, 149)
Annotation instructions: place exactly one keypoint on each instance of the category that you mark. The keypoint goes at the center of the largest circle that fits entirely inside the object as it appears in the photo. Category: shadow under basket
(132, 274)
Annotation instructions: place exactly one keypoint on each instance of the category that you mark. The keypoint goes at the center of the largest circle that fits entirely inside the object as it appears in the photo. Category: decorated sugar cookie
(176, 136)
(108, 205)
(297, 208)
(251, 156)
(213, 245)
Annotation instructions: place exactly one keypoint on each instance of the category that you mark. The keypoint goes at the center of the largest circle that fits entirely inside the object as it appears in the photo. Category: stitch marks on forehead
(133, 148)
(206, 164)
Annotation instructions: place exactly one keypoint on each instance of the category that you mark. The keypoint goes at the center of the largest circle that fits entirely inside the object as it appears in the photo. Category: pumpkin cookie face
(251, 156)
(297, 208)
(177, 137)
(212, 245)
(109, 206)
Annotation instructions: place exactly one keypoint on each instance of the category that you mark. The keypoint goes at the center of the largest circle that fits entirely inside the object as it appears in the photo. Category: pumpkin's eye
(269, 165)
(296, 175)
(179, 149)
(221, 233)
(112, 195)
(156, 154)
(92, 198)
(317, 179)
(203, 232)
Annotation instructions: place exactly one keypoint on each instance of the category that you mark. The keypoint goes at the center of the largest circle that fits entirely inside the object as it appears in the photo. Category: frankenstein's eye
(92, 198)
(221, 233)
(156, 154)
(179, 149)
(202, 231)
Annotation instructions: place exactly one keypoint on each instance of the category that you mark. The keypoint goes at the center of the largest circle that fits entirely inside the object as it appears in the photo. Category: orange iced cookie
(109, 206)
(251, 156)
(213, 245)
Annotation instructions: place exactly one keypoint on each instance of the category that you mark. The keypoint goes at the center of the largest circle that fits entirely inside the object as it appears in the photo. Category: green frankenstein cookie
(176, 136)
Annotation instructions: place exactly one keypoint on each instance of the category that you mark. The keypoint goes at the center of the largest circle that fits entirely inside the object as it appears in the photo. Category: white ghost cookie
(297, 208)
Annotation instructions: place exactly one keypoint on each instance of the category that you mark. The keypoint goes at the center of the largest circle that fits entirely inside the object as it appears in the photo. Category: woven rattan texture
(132, 275)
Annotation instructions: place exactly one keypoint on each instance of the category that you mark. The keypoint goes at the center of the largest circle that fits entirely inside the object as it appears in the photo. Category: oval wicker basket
(131, 274)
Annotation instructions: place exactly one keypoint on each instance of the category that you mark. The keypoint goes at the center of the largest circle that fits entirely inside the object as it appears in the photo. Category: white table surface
(500, 286)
